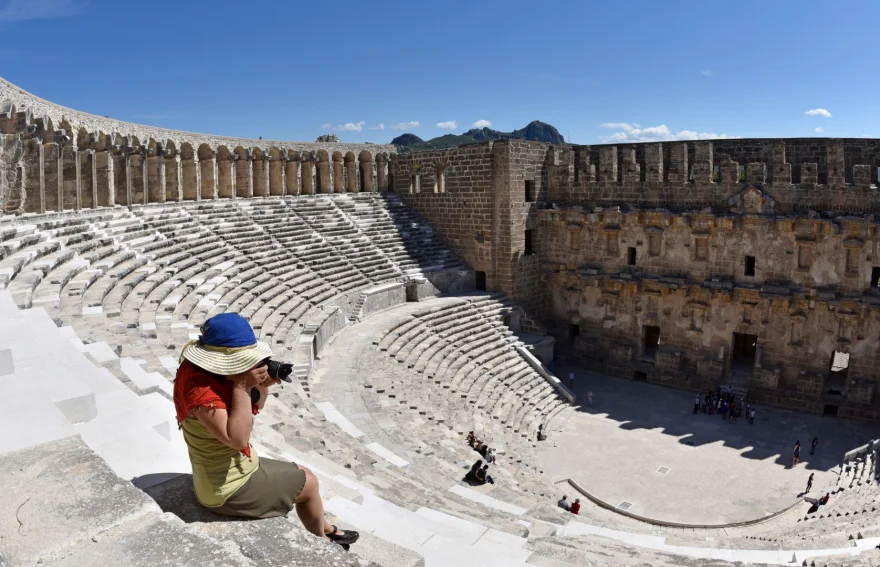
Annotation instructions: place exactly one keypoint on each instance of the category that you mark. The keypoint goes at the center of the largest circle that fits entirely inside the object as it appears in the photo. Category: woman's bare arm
(231, 426)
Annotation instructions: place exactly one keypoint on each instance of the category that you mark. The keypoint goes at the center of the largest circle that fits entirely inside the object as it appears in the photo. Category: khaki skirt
(270, 491)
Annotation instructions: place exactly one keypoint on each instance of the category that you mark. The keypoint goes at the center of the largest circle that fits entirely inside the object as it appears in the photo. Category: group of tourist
(724, 403)
(796, 454)
(479, 473)
(568, 506)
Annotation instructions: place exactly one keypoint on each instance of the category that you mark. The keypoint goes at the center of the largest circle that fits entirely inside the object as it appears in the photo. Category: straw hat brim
(226, 364)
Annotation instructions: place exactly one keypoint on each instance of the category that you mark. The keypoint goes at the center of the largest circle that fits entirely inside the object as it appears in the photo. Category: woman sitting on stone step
(215, 395)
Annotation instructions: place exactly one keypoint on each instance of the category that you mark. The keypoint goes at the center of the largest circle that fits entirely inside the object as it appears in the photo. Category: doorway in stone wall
(742, 357)
(481, 281)
(652, 340)
(835, 382)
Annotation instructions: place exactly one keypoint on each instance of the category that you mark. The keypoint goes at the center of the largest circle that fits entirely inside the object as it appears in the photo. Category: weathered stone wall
(800, 174)
(692, 212)
(73, 160)
(820, 251)
(476, 197)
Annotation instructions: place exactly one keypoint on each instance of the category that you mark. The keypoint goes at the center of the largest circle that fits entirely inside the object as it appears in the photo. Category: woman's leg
(310, 508)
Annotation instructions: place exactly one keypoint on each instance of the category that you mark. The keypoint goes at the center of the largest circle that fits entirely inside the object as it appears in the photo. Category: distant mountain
(535, 131)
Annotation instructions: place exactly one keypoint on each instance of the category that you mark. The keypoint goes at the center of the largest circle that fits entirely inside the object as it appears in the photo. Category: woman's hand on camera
(257, 376)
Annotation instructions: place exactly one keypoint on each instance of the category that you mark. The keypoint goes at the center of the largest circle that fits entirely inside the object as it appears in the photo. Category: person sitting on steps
(483, 475)
(471, 475)
(219, 376)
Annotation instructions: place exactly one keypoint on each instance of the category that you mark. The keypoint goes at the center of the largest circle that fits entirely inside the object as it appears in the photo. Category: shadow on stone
(176, 496)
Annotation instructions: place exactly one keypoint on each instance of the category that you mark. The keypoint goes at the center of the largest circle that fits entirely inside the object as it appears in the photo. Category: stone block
(61, 494)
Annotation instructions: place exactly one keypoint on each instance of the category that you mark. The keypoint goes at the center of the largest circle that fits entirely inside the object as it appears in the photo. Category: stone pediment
(752, 200)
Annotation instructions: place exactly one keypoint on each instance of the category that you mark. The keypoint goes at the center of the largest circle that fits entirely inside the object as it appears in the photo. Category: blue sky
(598, 71)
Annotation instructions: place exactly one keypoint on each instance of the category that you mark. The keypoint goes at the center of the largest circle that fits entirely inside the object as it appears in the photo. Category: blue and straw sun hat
(226, 346)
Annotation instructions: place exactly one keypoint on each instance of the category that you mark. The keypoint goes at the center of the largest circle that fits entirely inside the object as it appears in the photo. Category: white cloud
(405, 125)
(448, 125)
(818, 112)
(347, 127)
(380, 126)
(481, 124)
(819, 130)
(22, 10)
(706, 73)
(633, 132)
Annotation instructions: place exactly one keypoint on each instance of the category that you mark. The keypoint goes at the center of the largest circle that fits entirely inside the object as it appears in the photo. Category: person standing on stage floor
(590, 398)
(796, 456)
(813, 445)
(697, 404)
(809, 484)
(752, 417)
(571, 380)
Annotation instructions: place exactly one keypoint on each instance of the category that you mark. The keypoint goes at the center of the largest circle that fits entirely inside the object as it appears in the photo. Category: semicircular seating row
(153, 274)
(138, 282)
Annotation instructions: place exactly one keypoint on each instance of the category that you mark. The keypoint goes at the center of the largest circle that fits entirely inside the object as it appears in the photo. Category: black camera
(279, 370)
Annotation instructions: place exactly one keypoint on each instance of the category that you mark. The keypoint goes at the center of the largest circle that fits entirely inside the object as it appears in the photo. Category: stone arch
(243, 180)
(439, 175)
(350, 173)
(276, 172)
(173, 172)
(338, 173)
(207, 172)
(102, 141)
(66, 127)
(366, 171)
(382, 171)
(260, 172)
(134, 142)
(225, 177)
(82, 139)
(322, 175)
(155, 172)
(189, 172)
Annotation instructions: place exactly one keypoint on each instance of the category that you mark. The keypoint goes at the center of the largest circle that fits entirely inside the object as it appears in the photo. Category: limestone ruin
(419, 297)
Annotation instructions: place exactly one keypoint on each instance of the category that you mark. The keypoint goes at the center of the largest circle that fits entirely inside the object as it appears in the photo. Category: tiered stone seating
(466, 350)
(399, 233)
(137, 283)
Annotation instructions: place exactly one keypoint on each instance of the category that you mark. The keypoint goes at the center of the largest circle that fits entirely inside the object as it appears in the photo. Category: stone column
(381, 173)
(233, 175)
(703, 163)
(654, 164)
(607, 165)
(30, 177)
(105, 180)
(678, 164)
(781, 171)
(323, 176)
(292, 176)
(83, 192)
(631, 171)
(208, 182)
(282, 166)
(173, 177)
(49, 186)
(366, 166)
(351, 173)
(308, 187)
(836, 164)
(155, 179)
(338, 177)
